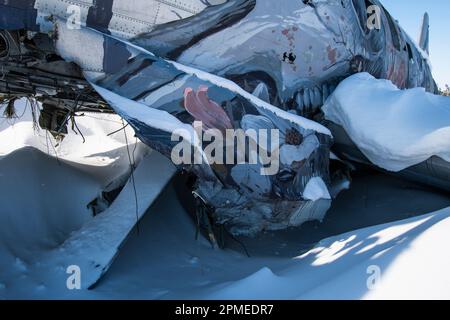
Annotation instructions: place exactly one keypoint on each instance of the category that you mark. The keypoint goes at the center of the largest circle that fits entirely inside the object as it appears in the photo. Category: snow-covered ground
(383, 238)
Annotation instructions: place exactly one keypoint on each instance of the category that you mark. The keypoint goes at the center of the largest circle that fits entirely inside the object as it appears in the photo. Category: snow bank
(166, 262)
(395, 129)
(100, 154)
(96, 244)
(41, 201)
(406, 259)
(46, 184)
(402, 260)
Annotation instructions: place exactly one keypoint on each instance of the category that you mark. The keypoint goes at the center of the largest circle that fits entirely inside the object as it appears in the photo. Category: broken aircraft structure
(236, 64)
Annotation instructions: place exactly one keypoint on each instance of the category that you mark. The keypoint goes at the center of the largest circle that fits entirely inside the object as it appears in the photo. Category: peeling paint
(332, 54)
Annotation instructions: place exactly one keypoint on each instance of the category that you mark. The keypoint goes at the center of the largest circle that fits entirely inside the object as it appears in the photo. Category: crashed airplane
(229, 65)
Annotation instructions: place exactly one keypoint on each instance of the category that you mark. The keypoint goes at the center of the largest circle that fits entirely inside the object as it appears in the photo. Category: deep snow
(395, 129)
(43, 202)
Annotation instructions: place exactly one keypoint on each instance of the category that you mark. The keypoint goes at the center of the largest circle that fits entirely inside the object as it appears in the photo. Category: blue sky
(410, 12)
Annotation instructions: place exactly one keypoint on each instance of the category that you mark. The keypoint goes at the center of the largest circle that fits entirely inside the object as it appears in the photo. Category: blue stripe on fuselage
(116, 55)
(100, 15)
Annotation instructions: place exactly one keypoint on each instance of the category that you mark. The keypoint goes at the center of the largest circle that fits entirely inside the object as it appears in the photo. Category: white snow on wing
(395, 129)
(152, 117)
(155, 118)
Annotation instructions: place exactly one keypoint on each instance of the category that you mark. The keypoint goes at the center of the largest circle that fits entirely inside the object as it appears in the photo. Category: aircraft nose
(15, 15)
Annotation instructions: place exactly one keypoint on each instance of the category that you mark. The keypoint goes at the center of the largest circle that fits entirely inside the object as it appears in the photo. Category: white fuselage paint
(129, 18)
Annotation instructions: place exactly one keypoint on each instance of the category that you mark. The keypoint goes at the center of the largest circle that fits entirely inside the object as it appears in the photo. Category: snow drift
(165, 261)
(395, 129)
(46, 185)
(40, 205)
(101, 153)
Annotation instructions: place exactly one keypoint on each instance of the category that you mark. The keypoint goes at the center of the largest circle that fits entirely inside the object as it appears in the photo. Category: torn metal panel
(258, 57)
(158, 98)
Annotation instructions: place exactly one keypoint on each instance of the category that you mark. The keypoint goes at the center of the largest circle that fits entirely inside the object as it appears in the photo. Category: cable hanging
(133, 181)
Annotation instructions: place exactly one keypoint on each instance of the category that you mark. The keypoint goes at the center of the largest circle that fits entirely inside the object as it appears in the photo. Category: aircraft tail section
(424, 41)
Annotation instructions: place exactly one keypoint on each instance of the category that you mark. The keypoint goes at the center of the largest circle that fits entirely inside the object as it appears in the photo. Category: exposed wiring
(74, 123)
(48, 139)
(133, 181)
(118, 130)
(134, 150)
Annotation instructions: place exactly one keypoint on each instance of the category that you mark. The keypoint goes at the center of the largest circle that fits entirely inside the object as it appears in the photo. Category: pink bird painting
(203, 109)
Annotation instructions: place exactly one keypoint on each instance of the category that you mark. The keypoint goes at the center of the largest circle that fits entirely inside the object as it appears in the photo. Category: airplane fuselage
(300, 50)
